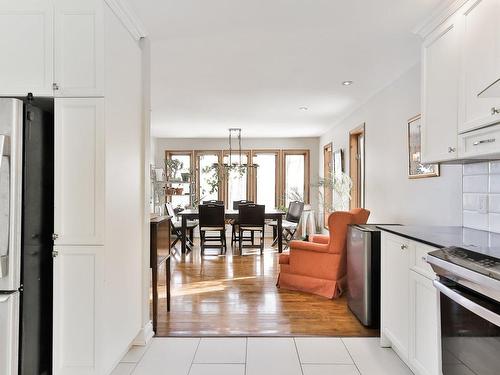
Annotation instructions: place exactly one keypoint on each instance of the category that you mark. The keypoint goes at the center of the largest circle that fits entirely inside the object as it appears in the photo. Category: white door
(79, 48)
(394, 293)
(79, 171)
(9, 333)
(440, 77)
(77, 310)
(480, 22)
(26, 47)
(425, 349)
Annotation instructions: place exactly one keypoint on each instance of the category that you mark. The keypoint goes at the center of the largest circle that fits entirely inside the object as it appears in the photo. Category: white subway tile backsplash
(475, 184)
(495, 167)
(481, 186)
(476, 168)
(471, 201)
(475, 220)
(494, 203)
(494, 220)
(495, 183)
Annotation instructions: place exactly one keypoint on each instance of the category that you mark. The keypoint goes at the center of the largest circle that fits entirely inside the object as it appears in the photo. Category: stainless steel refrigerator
(26, 227)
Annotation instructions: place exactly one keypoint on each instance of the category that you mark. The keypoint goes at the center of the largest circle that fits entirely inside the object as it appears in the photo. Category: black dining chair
(211, 219)
(251, 218)
(176, 227)
(290, 224)
(235, 232)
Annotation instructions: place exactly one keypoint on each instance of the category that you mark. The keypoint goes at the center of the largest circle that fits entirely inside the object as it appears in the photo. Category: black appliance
(469, 286)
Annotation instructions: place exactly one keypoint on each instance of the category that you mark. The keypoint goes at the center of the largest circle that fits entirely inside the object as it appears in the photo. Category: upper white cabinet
(52, 48)
(480, 22)
(440, 77)
(79, 48)
(79, 171)
(26, 45)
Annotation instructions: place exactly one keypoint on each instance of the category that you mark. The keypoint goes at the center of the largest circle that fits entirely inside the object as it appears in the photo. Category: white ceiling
(253, 63)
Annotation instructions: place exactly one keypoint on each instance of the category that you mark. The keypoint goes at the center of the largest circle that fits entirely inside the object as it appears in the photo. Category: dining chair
(251, 218)
(214, 201)
(211, 219)
(176, 227)
(235, 233)
(290, 224)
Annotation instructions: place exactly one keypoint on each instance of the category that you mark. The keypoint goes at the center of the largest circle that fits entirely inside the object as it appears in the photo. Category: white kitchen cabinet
(79, 48)
(440, 77)
(26, 45)
(409, 304)
(79, 171)
(395, 263)
(480, 63)
(77, 310)
(425, 350)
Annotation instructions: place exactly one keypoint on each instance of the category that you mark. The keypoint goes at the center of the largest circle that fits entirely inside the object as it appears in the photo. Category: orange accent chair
(319, 266)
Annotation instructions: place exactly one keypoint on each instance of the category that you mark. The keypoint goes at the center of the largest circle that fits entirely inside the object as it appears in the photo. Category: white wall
(310, 144)
(390, 195)
(124, 191)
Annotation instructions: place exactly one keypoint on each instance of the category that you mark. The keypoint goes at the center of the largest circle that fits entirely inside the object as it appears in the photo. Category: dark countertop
(441, 236)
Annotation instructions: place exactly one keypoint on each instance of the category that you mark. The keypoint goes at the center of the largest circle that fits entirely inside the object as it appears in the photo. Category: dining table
(193, 214)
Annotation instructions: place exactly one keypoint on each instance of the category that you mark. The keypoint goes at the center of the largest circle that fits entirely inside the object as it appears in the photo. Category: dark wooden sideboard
(159, 255)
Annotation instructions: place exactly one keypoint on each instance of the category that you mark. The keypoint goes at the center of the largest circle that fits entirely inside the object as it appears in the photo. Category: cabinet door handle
(489, 140)
(495, 111)
(55, 86)
(451, 149)
(404, 247)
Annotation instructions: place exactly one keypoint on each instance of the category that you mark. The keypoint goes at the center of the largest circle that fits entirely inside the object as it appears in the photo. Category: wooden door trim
(354, 134)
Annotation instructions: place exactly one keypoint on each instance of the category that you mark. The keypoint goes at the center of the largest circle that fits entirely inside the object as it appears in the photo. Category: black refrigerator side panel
(37, 244)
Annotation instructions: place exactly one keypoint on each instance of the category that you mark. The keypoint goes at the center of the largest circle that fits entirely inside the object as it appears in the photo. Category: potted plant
(187, 176)
(173, 166)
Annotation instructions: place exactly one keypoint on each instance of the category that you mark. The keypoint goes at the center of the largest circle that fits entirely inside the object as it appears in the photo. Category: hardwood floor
(236, 296)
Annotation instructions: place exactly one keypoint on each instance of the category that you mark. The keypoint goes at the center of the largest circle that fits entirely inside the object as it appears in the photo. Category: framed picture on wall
(338, 166)
(417, 169)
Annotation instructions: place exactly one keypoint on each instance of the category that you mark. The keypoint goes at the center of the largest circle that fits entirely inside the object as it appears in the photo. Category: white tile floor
(262, 356)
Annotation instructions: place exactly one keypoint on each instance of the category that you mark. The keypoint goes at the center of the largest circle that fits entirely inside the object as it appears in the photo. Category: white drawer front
(480, 143)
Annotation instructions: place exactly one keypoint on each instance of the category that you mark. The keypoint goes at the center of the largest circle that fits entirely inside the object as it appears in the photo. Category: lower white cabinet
(77, 310)
(394, 293)
(424, 334)
(409, 316)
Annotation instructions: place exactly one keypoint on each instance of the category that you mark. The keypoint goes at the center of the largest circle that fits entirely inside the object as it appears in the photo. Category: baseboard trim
(145, 335)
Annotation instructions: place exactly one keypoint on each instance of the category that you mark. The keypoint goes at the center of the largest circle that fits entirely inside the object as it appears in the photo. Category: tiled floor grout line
(350, 355)
(194, 355)
(298, 356)
(246, 354)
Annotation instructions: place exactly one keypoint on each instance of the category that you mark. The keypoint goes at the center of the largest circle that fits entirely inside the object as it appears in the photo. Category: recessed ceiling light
(303, 108)
(347, 83)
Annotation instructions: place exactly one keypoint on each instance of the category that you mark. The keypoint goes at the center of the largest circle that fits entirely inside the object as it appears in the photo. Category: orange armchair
(319, 266)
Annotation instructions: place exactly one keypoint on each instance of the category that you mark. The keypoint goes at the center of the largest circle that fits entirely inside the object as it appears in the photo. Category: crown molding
(123, 11)
(438, 16)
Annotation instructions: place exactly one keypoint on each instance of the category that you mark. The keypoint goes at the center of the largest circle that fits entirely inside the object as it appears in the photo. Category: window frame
(225, 182)
(278, 182)
(197, 154)
(307, 172)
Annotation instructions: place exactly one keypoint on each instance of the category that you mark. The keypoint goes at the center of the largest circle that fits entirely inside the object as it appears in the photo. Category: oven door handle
(473, 307)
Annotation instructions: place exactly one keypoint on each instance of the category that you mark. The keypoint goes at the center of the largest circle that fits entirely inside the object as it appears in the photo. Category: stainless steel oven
(470, 311)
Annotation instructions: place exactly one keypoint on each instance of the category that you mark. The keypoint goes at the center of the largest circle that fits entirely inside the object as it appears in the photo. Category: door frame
(357, 172)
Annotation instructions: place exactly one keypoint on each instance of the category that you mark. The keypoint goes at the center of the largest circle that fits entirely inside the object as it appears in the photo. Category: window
(236, 186)
(184, 198)
(266, 181)
(327, 174)
(296, 176)
(357, 166)
(207, 177)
